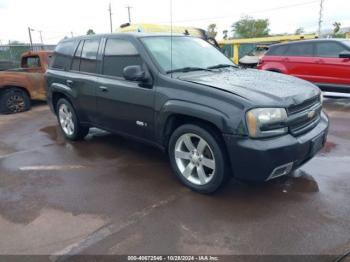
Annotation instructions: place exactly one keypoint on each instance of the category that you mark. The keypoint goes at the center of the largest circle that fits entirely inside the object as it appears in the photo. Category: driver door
(124, 106)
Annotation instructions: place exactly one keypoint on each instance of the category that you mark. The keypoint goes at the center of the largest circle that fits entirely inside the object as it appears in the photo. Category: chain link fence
(10, 55)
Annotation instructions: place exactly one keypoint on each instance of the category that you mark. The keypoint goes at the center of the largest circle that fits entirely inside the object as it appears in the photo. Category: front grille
(305, 116)
(304, 105)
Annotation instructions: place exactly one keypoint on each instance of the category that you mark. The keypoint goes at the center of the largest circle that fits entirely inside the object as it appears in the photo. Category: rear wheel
(14, 100)
(198, 158)
(68, 121)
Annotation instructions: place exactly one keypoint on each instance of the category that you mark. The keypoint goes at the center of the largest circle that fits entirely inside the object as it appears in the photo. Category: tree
(336, 28)
(300, 31)
(212, 31)
(90, 32)
(248, 27)
(225, 33)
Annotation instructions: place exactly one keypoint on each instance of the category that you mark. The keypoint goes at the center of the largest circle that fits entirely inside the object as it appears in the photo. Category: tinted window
(88, 62)
(119, 54)
(302, 49)
(277, 50)
(63, 54)
(76, 59)
(329, 49)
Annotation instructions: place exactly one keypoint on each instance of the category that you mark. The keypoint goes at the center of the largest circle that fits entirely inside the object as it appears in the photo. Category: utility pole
(129, 7)
(110, 16)
(71, 33)
(41, 36)
(320, 18)
(30, 37)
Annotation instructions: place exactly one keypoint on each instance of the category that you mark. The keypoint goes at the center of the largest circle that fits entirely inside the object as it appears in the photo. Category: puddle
(299, 181)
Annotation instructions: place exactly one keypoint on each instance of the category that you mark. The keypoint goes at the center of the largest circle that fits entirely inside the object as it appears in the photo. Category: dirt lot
(107, 195)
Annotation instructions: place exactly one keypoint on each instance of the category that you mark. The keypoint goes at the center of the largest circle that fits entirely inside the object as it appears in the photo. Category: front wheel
(68, 121)
(198, 158)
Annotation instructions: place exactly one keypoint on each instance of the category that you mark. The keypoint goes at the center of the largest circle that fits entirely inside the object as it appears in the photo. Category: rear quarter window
(63, 54)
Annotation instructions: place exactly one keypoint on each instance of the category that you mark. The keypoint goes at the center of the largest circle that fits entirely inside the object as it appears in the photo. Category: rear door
(330, 68)
(124, 106)
(299, 60)
(82, 78)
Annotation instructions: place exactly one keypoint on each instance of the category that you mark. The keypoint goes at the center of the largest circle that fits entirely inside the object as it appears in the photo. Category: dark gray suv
(214, 119)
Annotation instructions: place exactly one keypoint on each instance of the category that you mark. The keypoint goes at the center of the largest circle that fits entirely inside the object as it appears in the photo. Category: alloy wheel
(66, 119)
(15, 103)
(195, 159)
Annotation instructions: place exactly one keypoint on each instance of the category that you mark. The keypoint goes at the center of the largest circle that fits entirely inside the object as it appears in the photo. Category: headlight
(266, 122)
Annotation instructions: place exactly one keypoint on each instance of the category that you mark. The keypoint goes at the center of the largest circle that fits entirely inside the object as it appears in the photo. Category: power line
(253, 12)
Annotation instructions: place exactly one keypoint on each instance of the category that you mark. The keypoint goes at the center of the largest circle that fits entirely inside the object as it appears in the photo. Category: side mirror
(134, 73)
(345, 54)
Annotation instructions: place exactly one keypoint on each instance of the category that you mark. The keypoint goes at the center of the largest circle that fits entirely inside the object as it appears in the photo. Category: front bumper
(263, 159)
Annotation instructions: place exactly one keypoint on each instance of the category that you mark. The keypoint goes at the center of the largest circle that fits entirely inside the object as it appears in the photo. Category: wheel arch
(176, 113)
(8, 87)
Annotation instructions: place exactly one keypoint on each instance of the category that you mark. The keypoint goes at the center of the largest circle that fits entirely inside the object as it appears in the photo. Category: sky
(59, 18)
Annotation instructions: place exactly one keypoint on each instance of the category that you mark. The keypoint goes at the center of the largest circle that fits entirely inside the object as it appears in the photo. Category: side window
(277, 50)
(31, 62)
(300, 49)
(63, 54)
(119, 54)
(329, 49)
(88, 61)
(76, 59)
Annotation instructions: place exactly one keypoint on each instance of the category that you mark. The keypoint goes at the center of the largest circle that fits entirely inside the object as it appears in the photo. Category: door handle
(103, 88)
(69, 82)
(320, 61)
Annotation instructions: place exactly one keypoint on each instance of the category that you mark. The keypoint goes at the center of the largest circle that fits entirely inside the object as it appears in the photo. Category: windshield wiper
(188, 69)
(221, 66)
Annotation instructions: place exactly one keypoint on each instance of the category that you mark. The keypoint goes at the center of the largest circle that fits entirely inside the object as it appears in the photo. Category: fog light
(281, 171)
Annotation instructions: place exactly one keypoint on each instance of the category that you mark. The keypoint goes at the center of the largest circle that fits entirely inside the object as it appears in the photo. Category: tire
(14, 100)
(198, 148)
(68, 121)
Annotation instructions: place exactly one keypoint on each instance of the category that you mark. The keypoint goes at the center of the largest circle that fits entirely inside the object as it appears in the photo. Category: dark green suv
(184, 96)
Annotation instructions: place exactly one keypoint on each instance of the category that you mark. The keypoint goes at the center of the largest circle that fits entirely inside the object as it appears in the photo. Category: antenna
(171, 37)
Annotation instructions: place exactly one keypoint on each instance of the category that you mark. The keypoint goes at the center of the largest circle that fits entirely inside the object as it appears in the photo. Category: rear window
(62, 56)
(329, 49)
(300, 49)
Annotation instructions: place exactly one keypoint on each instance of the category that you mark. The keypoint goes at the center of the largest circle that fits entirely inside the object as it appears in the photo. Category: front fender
(190, 109)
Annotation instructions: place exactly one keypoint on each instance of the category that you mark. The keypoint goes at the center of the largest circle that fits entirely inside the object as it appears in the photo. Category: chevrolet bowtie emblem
(311, 114)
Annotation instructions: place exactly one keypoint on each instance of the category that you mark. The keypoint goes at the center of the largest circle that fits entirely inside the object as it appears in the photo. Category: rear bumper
(261, 160)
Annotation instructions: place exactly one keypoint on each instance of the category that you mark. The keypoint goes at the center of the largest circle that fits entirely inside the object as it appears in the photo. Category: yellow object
(154, 28)
(278, 39)
(347, 35)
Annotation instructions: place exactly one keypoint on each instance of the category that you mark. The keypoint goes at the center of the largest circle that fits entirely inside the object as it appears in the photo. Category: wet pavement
(108, 195)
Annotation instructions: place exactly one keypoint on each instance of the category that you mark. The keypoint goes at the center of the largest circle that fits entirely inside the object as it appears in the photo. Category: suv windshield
(188, 53)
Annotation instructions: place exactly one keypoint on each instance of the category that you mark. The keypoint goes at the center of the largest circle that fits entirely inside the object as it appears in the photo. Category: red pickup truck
(325, 62)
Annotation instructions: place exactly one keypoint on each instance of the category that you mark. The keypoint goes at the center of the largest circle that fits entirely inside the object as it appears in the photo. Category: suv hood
(261, 87)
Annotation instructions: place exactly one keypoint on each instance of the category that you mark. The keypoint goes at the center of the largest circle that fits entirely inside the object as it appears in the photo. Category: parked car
(324, 62)
(21, 85)
(214, 119)
(252, 59)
